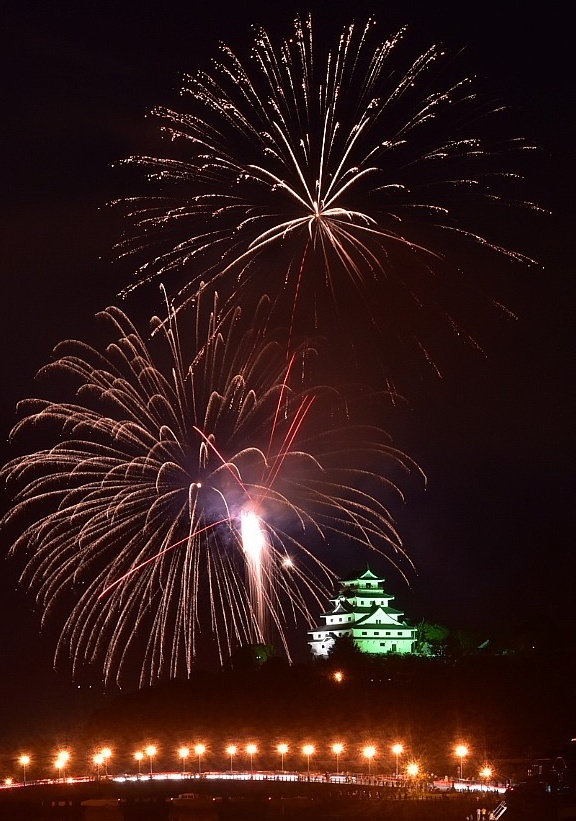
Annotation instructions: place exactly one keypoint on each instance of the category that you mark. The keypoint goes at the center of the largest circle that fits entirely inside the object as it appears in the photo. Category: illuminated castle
(362, 611)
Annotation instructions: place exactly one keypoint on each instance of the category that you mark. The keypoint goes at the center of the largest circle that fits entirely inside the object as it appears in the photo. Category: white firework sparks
(187, 478)
(311, 173)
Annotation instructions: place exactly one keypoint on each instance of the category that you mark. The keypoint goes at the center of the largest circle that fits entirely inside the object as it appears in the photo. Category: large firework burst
(186, 478)
(313, 173)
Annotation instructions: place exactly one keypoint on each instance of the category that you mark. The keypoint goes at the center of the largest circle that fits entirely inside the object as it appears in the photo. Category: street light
(338, 676)
(62, 759)
(98, 759)
(397, 749)
(151, 752)
(412, 770)
(369, 752)
(308, 750)
(486, 772)
(251, 749)
(106, 754)
(200, 749)
(232, 749)
(24, 760)
(183, 753)
(337, 749)
(282, 749)
(59, 764)
(461, 751)
(139, 756)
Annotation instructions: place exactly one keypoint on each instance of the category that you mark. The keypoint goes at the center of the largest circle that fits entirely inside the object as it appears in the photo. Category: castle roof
(367, 575)
(388, 614)
(340, 606)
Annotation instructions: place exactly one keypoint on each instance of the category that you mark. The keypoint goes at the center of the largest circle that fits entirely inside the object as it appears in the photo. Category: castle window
(388, 633)
(365, 633)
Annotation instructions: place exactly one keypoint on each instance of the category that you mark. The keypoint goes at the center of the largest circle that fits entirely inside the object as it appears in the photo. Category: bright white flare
(256, 550)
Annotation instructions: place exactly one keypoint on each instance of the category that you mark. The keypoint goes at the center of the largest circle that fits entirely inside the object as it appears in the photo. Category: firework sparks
(189, 475)
(316, 174)
(257, 553)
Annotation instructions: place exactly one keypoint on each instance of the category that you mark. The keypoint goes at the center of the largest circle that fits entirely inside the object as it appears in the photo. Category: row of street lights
(232, 750)
(101, 758)
(251, 749)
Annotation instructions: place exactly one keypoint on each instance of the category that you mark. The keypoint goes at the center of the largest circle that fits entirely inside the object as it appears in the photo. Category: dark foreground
(425, 807)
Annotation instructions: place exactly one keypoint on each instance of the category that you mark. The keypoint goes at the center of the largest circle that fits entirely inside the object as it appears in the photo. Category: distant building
(362, 611)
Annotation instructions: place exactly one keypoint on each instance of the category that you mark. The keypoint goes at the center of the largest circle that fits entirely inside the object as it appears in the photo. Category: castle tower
(362, 611)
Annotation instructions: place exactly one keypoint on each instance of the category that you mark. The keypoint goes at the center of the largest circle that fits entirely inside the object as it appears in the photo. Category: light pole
(461, 751)
(24, 760)
(232, 749)
(151, 752)
(282, 749)
(412, 771)
(61, 761)
(397, 749)
(369, 753)
(337, 749)
(200, 749)
(106, 754)
(139, 756)
(308, 750)
(183, 753)
(98, 759)
(251, 749)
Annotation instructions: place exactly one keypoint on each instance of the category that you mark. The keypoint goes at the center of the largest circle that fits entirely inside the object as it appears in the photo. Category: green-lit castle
(362, 611)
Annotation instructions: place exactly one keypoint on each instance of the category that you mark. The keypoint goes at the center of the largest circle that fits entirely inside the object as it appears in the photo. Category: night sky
(492, 536)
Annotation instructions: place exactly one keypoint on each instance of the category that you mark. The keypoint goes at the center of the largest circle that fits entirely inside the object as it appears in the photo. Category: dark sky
(492, 536)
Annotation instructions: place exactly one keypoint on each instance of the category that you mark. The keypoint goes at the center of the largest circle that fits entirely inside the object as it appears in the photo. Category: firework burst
(190, 474)
(323, 176)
